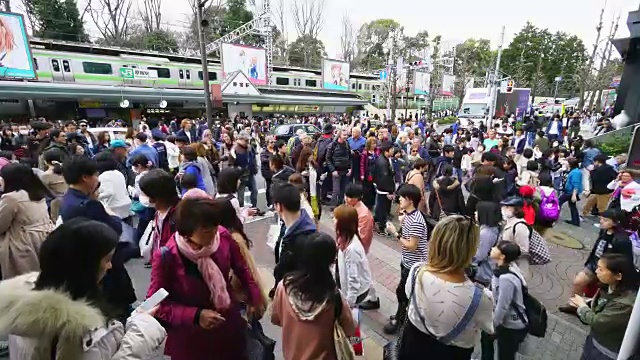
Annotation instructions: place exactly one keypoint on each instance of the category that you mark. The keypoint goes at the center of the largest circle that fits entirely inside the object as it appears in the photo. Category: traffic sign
(138, 74)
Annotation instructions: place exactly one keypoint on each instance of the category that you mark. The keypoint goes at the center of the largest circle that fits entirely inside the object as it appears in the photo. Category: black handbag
(259, 345)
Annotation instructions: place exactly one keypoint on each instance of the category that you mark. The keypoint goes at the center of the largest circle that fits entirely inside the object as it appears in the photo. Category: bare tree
(111, 18)
(151, 15)
(308, 17)
(586, 72)
(348, 39)
(603, 77)
(281, 43)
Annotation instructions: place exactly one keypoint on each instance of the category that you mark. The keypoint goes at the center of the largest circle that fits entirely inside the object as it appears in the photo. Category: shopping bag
(259, 345)
(356, 340)
(272, 236)
(146, 243)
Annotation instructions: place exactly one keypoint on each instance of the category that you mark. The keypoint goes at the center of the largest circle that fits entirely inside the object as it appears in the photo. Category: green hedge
(615, 145)
(447, 121)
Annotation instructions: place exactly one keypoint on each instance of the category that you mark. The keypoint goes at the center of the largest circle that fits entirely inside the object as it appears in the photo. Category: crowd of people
(473, 205)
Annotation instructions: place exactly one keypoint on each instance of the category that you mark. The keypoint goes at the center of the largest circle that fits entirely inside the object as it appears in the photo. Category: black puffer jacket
(338, 157)
(265, 170)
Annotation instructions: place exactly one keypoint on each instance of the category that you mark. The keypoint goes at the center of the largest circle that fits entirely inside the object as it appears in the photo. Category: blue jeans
(251, 183)
(531, 138)
(573, 207)
(458, 173)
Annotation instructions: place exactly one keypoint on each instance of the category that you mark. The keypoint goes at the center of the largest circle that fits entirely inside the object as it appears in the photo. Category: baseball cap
(119, 144)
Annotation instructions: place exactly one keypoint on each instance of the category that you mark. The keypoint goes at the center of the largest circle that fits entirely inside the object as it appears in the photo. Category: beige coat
(24, 224)
(520, 236)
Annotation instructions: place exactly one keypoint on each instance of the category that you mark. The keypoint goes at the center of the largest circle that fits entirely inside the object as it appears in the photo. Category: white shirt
(173, 155)
(354, 271)
(113, 193)
(442, 304)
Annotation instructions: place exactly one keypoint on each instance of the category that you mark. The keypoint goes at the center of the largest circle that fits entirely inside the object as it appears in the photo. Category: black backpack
(536, 312)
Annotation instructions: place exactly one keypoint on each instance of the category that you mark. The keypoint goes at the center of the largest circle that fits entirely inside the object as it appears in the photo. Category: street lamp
(555, 93)
(202, 23)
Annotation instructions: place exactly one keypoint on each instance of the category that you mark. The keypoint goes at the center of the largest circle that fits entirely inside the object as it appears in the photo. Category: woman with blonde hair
(353, 271)
(446, 309)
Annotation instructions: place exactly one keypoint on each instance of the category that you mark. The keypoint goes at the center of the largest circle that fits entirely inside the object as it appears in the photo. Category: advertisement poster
(421, 83)
(251, 61)
(15, 55)
(448, 84)
(335, 75)
(516, 103)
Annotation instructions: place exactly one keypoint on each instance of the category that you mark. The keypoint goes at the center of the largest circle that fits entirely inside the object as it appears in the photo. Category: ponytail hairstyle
(55, 157)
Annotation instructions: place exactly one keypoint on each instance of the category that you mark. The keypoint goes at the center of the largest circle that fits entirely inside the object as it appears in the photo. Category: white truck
(475, 107)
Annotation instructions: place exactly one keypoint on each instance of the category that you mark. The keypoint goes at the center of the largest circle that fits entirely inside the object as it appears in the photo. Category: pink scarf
(208, 268)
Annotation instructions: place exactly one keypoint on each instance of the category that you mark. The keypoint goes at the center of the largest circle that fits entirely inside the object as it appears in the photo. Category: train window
(55, 65)
(297, 82)
(282, 81)
(359, 86)
(212, 75)
(188, 74)
(97, 68)
(35, 64)
(311, 83)
(353, 86)
(181, 73)
(162, 72)
(65, 66)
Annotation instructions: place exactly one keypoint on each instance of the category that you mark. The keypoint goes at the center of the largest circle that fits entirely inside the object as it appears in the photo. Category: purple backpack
(549, 207)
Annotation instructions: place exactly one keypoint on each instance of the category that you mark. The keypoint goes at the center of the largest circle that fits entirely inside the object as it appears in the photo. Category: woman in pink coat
(202, 320)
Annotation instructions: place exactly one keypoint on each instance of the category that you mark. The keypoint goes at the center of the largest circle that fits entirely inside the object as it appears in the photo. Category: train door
(188, 78)
(56, 70)
(182, 81)
(67, 71)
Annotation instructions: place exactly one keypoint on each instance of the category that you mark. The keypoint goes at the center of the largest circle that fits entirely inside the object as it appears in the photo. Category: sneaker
(391, 327)
(4, 348)
(370, 305)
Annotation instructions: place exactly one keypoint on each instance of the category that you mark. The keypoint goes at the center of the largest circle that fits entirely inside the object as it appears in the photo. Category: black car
(286, 131)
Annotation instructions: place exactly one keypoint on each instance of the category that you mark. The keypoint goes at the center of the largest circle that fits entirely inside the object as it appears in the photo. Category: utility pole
(203, 54)
(394, 77)
(494, 83)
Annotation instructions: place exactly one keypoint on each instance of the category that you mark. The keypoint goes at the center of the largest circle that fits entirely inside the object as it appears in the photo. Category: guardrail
(625, 131)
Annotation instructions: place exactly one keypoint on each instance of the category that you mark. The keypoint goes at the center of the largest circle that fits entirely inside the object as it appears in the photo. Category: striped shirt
(414, 225)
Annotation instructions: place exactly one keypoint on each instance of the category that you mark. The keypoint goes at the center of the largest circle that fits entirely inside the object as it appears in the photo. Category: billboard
(448, 84)
(15, 54)
(335, 75)
(421, 83)
(516, 102)
(250, 60)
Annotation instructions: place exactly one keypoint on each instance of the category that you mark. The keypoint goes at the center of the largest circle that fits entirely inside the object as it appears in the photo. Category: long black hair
(313, 282)
(70, 259)
(20, 177)
(55, 157)
(229, 219)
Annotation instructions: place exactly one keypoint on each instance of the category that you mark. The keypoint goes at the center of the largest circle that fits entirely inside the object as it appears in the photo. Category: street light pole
(494, 83)
(205, 69)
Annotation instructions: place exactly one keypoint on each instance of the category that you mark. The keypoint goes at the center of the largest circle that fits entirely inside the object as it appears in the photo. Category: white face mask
(144, 200)
(506, 213)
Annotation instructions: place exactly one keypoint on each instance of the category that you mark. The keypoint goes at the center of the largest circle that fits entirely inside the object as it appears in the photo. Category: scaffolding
(261, 24)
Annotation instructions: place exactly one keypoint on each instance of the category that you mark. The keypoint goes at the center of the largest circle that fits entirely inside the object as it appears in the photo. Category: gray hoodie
(507, 294)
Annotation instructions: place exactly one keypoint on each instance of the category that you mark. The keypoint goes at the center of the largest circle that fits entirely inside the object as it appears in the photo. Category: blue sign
(383, 75)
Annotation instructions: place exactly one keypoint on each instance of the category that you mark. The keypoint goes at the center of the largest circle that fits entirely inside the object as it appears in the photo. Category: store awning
(77, 92)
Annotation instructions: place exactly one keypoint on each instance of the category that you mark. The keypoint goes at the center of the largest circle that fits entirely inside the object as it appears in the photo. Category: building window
(162, 72)
(97, 68)
(35, 64)
(311, 83)
(212, 75)
(55, 65)
(235, 84)
(282, 81)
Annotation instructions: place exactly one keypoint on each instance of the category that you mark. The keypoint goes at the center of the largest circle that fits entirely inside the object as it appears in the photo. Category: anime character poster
(251, 61)
(335, 75)
(421, 83)
(15, 54)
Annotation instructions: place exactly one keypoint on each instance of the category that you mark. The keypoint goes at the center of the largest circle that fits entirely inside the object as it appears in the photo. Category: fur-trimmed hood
(44, 315)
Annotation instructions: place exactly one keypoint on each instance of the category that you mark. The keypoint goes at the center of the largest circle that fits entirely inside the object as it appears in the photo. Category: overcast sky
(455, 20)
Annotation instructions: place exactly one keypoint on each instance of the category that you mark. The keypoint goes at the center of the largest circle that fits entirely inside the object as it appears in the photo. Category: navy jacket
(77, 204)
